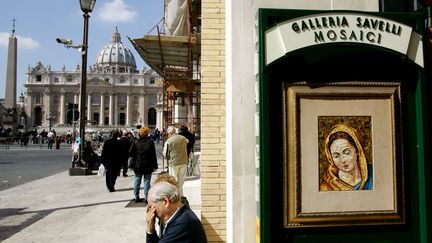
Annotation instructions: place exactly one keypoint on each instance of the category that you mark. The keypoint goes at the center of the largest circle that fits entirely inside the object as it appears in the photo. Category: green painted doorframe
(418, 107)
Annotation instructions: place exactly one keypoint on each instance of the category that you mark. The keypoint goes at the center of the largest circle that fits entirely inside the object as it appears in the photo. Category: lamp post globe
(87, 5)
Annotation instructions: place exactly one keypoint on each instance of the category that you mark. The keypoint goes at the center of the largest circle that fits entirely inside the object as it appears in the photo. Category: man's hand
(151, 219)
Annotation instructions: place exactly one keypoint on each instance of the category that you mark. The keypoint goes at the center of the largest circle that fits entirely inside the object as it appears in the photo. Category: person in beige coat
(175, 151)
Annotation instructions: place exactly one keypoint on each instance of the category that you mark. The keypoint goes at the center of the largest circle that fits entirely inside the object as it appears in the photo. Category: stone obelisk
(11, 72)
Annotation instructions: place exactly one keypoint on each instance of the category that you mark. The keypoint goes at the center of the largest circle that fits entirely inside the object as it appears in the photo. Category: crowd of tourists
(130, 150)
(30, 137)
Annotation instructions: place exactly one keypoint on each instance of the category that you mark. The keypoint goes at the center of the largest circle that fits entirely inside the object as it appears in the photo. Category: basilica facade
(118, 95)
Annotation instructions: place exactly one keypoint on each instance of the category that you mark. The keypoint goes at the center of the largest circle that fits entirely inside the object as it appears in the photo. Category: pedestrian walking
(175, 151)
(50, 138)
(126, 141)
(144, 163)
(111, 159)
(184, 131)
(157, 135)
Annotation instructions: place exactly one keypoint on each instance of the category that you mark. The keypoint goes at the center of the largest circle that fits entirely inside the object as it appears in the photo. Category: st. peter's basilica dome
(115, 56)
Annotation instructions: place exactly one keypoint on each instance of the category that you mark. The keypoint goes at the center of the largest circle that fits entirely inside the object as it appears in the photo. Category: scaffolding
(174, 53)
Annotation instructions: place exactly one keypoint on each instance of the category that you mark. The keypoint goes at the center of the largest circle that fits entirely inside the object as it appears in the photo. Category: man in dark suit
(111, 159)
(181, 223)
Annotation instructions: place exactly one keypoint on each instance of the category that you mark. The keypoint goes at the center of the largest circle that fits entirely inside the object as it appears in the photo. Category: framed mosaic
(342, 154)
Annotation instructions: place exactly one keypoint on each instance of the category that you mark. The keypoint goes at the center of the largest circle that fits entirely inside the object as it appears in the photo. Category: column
(89, 108)
(76, 99)
(102, 109)
(128, 109)
(111, 109)
(116, 110)
(143, 108)
(47, 106)
(159, 117)
(62, 107)
(30, 111)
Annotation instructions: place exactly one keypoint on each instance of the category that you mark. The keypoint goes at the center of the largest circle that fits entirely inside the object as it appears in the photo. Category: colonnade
(113, 112)
(102, 108)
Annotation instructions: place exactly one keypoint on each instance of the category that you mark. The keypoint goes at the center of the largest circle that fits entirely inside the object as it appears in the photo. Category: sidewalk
(63, 208)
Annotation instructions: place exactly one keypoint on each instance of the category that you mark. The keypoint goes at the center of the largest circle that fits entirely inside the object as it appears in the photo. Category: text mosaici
(339, 28)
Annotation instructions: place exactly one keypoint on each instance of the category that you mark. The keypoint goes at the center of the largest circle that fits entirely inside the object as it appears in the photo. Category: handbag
(102, 170)
(131, 163)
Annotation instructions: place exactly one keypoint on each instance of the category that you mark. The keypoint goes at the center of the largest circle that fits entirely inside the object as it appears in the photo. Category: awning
(170, 56)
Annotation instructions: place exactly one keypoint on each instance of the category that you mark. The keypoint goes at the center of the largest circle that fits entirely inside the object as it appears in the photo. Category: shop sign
(339, 27)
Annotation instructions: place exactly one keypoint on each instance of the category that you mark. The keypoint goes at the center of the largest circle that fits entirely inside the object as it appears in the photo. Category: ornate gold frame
(296, 182)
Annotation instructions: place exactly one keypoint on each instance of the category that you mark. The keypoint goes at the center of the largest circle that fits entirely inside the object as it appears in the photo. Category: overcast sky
(39, 23)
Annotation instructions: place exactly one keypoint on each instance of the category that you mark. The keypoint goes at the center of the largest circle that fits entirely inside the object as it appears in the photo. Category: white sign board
(340, 27)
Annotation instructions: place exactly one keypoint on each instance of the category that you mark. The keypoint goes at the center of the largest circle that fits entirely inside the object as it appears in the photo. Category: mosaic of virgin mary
(347, 164)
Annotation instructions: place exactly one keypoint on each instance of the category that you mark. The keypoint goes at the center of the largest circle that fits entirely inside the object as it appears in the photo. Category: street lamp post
(86, 7)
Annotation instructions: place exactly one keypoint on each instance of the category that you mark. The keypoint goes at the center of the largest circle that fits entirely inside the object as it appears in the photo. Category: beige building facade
(118, 94)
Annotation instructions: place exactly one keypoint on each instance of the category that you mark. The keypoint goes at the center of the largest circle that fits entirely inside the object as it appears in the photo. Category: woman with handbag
(144, 162)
